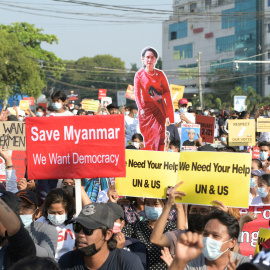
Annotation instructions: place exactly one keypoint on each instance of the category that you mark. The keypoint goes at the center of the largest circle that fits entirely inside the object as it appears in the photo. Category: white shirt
(66, 113)
(177, 119)
(133, 124)
(257, 201)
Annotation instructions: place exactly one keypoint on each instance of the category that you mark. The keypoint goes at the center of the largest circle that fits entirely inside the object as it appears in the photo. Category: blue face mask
(39, 114)
(135, 115)
(152, 213)
(183, 110)
(261, 192)
(263, 155)
(57, 219)
(26, 220)
(170, 150)
(223, 139)
(252, 183)
(205, 113)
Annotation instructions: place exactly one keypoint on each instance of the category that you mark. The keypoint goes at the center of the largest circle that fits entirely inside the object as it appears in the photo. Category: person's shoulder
(71, 259)
(42, 219)
(129, 258)
(242, 258)
(139, 72)
(43, 227)
(257, 200)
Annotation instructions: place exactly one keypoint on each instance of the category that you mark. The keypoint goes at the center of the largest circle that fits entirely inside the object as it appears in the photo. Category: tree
(19, 73)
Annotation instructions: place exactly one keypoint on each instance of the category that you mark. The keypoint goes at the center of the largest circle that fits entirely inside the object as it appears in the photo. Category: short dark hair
(59, 95)
(50, 108)
(266, 178)
(35, 263)
(151, 50)
(41, 108)
(59, 195)
(258, 162)
(132, 147)
(175, 143)
(137, 136)
(264, 143)
(227, 220)
(80, 111)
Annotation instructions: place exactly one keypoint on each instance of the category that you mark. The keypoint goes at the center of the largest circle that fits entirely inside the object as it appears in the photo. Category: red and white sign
(207, 127)
(31, 100)
(75, 147)
(197, 30)
(102, 93)
(255, 153)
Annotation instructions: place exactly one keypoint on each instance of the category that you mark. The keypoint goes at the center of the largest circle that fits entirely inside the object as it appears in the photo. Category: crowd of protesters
(40, 230)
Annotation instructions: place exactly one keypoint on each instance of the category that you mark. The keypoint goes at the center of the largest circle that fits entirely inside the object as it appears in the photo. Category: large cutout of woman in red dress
(154, 101)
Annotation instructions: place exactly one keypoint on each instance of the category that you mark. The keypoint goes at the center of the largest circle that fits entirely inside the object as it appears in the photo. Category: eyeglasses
(77, 227)
(202, 212)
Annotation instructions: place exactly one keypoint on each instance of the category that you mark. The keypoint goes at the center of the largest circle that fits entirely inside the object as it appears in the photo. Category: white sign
(240, 103)
(121, 98)
(105, 101)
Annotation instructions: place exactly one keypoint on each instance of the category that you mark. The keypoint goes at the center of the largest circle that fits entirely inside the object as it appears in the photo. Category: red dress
(152, 124)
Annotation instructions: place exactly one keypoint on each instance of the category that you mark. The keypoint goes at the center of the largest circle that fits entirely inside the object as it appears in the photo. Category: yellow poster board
(177, 93)
(90, 105)
(263, 125)
(210, 176)
(242, 132)
(24, 105)
(148, 174)
(264, 234)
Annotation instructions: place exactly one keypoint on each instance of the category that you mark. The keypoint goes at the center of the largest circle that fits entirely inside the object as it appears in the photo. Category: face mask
(26, 220)
(20, 118)
(170, 150)
(152, 213)
(223, 139)
(57, 219)
(90, 250)
(136, 144)
(263, 155)
(252, 183)
(116, 227)
(135, 115)
(205, 113)
(126, 113)
(211, 249)
(261, 192)
(75, 112)
(183, 110)
(57, 106)
(39, 114)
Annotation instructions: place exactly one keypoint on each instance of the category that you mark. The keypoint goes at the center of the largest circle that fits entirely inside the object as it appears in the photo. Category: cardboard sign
(240, 103)
(12, 135)
(31, 100)
(121, 98)
(263, 125)
(105, 101)
(212, 176)
(24, 105)
(264, 234)
(242, 132)
(90, 105)
(189, 136)
(249, 236)
(130, 92)
(177, 92)
(207, 124)
(255, 153)
(73, 96)
(149, 174)
(75, 147)
(102, 93)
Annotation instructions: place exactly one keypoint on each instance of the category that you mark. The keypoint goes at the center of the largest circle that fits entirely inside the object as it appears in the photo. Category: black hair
(50, 108)
(175, 143)
(151, 50)
(59, 95)
(80, 111)
(264, 143)
(243, 114)
(112, 243)
(41, 108)
(258, 162)
(137, 136)
(227, 220)
(199, 112)
(266, 178)
(131, 147)
(35, 263)
(12, 118)
(59, 195)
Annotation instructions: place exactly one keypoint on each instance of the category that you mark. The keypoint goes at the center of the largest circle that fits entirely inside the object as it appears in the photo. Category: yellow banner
(148, 174)
(210, 176)
(90, 105)
(177, 93)
(242, 132)
(24, 105)
(264, 234)
(263, 125)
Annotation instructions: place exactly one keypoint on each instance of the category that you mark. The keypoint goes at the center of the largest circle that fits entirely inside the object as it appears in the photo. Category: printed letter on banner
(149, 173)
(75, 146)
(210, 176)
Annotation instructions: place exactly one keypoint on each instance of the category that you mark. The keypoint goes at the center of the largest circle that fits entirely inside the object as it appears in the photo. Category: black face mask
(90, 250)
(195, 222)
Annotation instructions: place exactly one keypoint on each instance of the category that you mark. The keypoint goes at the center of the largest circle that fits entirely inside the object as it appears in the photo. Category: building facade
(222, 31)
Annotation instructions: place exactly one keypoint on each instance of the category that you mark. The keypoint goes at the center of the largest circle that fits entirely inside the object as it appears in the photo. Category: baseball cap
(112, 106)
(258, 172)
(191, 130)
(117, 210)
(12, 200)
(182, 101)
(95, 215)
(29, 196)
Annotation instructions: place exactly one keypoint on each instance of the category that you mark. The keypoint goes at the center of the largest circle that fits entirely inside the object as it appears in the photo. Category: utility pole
(200, 80)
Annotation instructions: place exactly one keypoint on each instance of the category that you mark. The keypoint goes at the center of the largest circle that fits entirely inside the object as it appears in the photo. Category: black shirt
(74, 260)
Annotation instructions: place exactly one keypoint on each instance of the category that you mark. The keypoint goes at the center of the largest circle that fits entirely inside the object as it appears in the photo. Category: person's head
(182, 104)
(93, 229)
(264, 150)
(256, 164)
(29, 206)
(196, 215)
(234, 114)
(223, 138)
(149, 57)
(244, 115)
(263, 185)
(119, 217)
(133, 110)
(12, 117)
(50, 109)
(206, 112)
(255, 174)
(153, 208)
(40, 111)
(58, 207)
(113, 108)
(191, 134)
(220, 234)
(21, 115)
(58, 98)
(81, 112)
(137, 137)
(174, 146)
(68, 182)
(213, 114)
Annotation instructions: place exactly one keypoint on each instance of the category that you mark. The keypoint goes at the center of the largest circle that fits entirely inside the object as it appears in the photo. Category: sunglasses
(77, 227)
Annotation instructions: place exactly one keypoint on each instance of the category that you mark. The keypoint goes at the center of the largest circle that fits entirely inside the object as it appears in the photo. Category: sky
(79, 35)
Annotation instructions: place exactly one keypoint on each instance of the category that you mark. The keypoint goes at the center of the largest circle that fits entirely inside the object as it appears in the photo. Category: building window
(183, 51)
(193, 7)
(221, 2)
(268, 54)
(268, 80)
(268, 28)
(208, 3)
(178, 30)
(173, 35)
(268, 3)
(228, 18)
(225, 44)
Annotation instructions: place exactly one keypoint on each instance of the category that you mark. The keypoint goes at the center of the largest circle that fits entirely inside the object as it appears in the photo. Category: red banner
(207, 127)
(75, 147)
(102, 93)
(249, 236)
(31, 100)
(255, 153)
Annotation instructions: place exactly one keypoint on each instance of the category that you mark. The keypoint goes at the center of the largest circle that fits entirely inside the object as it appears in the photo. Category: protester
(113, 109)
(255, 174)
(40, 111)
(183, 117)
(59, 98)
(264, 152)
(36, 263)
(174, 146)
(263, 191)
(256, 164)
(131, 120)
(137, 140)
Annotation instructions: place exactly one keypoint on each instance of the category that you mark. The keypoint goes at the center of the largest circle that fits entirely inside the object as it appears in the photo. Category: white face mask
(20, 119)
(263, 155)
(57, 106)
(26, 220)
(39, 114)
(136, 144)
(57, 219)
(223, 139)
(205, 113)
(183, 110)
